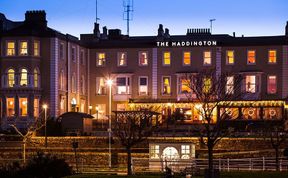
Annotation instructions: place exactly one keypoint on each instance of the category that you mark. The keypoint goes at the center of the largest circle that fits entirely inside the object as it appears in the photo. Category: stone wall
(93, 151)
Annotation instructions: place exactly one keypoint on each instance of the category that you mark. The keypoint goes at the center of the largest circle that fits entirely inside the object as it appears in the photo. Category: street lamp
(45, 119)
(109, 83)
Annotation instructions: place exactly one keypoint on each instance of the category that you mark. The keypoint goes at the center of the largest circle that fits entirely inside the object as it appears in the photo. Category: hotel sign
(186, 43)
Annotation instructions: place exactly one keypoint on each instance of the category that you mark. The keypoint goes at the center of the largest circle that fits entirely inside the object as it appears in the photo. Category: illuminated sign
(186, 43)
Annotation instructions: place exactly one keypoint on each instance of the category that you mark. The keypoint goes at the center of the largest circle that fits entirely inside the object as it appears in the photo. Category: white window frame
(119, 58)
(139, 86)
(127, 85)
(207, 64)
(139, 61)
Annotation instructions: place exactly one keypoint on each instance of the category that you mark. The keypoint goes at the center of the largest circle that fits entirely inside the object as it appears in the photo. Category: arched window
(11, 78)
(36, 78)
(82, 84)
(24, 77)
(73, 83)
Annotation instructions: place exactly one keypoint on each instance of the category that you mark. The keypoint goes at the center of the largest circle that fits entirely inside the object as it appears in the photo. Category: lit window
(185, 149)
(24, 77)
(207, 82)
(11, 78)
(82, 60)
(122, 61)
(272, 58)
(100, 86)
(101, 59)
(36, 78)
(10, 107)
(207, 58)
(166, 58)
(272, 84)
(143, 58)
(154, 151)
(36, 107)
(23, 106)
(73, 54)
(123, 85)
(251, 57)
(143, 85)
(73, 81)
(10, 49)
(166, 85)
(184, 85)
(61, 51)
(250, 83)
(229, 89)
(230, 57)
(23, 51)
(186, 58)
(36, 48)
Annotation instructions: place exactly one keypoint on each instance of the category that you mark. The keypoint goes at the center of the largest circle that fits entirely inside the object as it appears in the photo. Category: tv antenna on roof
(211, 21)
(128, 12)
(96, 20)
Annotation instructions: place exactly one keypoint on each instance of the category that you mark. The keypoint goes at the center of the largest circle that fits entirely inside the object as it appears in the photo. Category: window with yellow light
(166, 58)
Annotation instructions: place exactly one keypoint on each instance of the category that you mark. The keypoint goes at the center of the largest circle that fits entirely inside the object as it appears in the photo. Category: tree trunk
(129, 163)
(210, 159)
(277, 158)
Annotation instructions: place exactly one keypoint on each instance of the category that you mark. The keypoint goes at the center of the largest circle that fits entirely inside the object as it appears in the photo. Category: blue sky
(248, 17)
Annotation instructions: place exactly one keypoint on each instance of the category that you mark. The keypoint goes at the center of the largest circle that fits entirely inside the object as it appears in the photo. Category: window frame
(20, 47)
(139, 84)
(128, 85)
(255, 84)
(27, 105)
(14, 49)
(183, 59)
(269, 50)
(119, 58)
(61, 52)
(228, 86)
(7, 108)
(164, 59)
(139, 59)
(207, 64)
(103, 60)
(254, 57)
(268, 92)
(228, 59)
(162, 85)
(73, 57)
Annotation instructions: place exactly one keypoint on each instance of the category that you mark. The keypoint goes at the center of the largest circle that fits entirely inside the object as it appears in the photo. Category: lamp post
(45, 120)
(109, 83)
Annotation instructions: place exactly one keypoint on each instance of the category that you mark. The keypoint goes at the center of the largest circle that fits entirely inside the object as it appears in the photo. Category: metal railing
(245, 164)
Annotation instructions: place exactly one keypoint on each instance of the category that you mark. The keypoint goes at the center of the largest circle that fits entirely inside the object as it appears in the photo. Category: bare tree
(214, 92)
(133, 127)
(27, 133)
(277, 133)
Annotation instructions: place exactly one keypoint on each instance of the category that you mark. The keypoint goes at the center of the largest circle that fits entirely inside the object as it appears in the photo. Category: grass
(223, 175)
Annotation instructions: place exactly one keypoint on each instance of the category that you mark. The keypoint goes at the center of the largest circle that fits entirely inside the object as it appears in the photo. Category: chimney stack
(96, 30)
(36, 17)
(166, 34)
(160, 30)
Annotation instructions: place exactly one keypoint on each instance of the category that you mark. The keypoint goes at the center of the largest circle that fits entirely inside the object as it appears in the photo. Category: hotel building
(41, 65)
